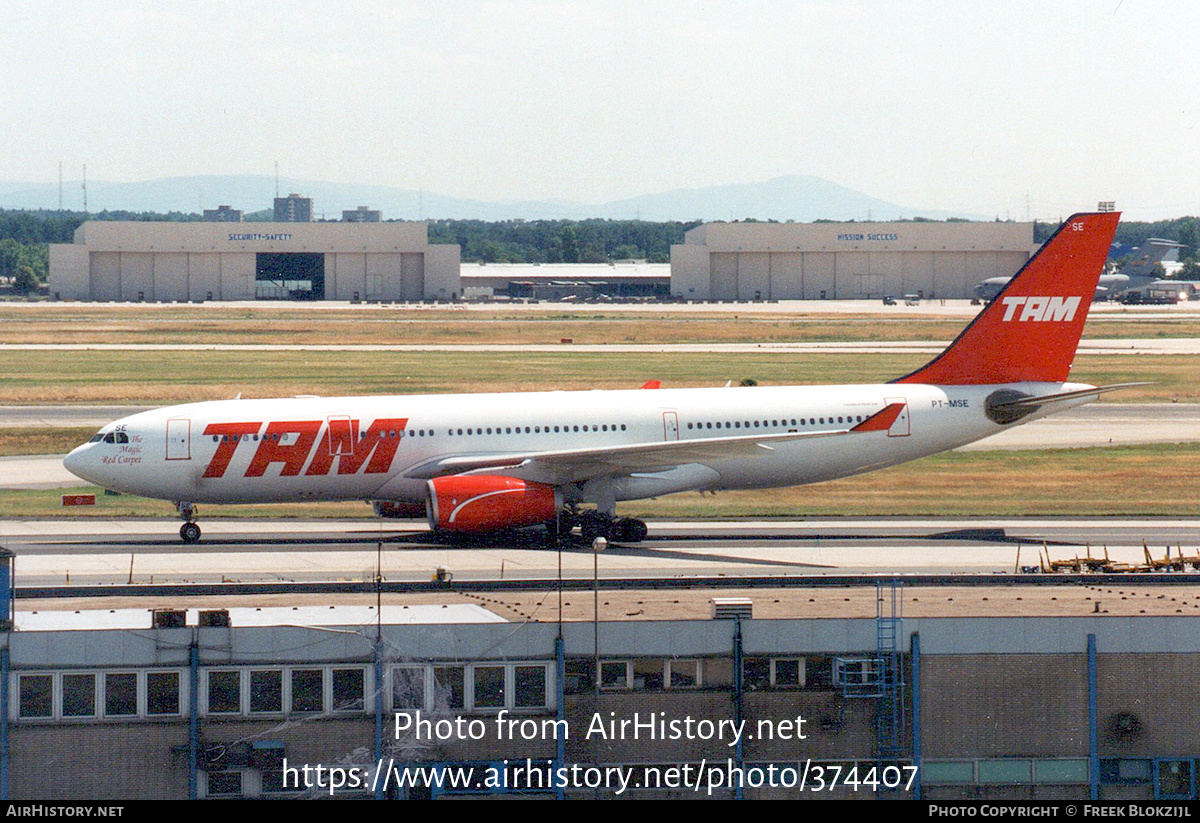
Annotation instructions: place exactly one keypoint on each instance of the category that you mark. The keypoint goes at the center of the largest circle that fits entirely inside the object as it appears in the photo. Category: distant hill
(798, 198)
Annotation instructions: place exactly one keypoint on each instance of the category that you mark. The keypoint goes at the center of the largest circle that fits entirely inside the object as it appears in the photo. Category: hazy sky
(984, 107)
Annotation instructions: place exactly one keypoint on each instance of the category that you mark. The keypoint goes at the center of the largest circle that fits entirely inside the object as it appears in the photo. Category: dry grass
(67, 323)
(41, 440)
(36, 377)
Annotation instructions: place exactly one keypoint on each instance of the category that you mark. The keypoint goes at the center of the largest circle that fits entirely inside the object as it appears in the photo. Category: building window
(648, 674)
(408, 688)
(266, 691)
(756, 673)
(224, 692)
(349, 686)
(1014, 772)
(718, 672)
(1175, 778)
(162, 693)
(120, 695)
(772, 672)
(308, 692)
(614, 674)
(37, 695)
(79, 695)
(787, 672)
(449, 688)
(224, 784)
(489, 687)
(1126, 770)
(683, 674)
(818, 673)
(529, 690)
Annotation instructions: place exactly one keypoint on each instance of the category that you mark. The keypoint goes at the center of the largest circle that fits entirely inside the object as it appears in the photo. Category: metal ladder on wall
(890, 712)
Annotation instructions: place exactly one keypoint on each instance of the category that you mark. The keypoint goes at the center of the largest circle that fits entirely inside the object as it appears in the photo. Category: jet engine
(482, 503)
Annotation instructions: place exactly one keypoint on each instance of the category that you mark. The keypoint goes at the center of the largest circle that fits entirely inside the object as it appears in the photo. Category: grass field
(1161, 480)
(30, 377)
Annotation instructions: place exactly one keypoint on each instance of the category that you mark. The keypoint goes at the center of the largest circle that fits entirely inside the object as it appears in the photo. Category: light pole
(598, 545)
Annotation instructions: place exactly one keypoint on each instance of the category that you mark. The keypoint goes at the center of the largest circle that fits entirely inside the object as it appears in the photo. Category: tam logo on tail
(1043, 309)
(1031, 330)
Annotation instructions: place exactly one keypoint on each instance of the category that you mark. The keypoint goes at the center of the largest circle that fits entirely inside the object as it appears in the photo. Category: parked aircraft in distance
(485, 462)
(1142, 270)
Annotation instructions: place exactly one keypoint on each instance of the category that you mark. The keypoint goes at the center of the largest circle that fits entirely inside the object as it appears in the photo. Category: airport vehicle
(485, 462)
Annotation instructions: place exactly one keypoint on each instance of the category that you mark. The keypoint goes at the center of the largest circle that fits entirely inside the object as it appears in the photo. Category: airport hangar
(845, 261)
(169, 262)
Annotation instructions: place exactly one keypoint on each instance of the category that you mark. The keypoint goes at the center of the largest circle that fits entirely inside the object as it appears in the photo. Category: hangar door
(289, 276)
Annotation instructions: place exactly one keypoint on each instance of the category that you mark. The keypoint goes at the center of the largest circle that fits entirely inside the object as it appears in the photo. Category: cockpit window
(96, 438)
(110, 438)
(122, 437)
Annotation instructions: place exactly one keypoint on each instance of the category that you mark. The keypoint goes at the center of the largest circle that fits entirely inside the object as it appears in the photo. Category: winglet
(1031, 329)
(881, 420)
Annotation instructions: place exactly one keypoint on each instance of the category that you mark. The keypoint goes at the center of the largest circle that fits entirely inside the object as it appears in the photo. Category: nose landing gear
(189, 532)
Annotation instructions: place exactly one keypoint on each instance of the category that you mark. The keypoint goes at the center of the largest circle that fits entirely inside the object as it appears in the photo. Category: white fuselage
(374, 448)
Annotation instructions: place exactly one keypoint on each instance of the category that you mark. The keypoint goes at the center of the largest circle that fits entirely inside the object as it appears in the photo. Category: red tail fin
(1032, 328)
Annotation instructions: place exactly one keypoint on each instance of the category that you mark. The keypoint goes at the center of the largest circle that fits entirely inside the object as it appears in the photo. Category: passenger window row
(768, 424)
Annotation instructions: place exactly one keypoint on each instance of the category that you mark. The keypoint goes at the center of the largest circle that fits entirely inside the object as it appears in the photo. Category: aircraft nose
(77, 462)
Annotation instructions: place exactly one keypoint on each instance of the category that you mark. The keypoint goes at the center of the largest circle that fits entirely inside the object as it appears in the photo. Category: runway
(62, 552)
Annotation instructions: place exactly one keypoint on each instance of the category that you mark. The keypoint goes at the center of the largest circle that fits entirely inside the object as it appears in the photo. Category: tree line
(1183, 230)
(560, 241)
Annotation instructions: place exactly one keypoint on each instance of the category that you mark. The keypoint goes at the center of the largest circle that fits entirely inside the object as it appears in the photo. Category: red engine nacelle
(484, 503)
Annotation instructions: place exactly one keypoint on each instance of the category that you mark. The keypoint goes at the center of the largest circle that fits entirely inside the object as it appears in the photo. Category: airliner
(1138, 273)
(476, 463)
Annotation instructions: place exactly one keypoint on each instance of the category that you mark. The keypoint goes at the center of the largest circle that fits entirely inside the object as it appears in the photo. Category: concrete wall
(1004, 705)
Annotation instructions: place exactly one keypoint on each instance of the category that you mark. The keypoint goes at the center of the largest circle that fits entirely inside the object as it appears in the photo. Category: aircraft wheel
(631, 530)
(189, 532)
(595, 526)
(590, 529)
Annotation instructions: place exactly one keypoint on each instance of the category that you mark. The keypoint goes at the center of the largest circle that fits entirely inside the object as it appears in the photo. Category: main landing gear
(593, 524)
(189, 532)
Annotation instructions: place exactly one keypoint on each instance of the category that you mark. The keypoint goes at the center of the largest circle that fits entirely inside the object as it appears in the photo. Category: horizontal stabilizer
(1039, 400)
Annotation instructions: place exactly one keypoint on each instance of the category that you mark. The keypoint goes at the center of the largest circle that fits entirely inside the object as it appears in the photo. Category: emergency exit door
(670, 425)
(179, 439)
(900, 428)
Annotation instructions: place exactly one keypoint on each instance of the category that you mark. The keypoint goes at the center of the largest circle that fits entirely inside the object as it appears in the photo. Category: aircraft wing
(570, 465)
